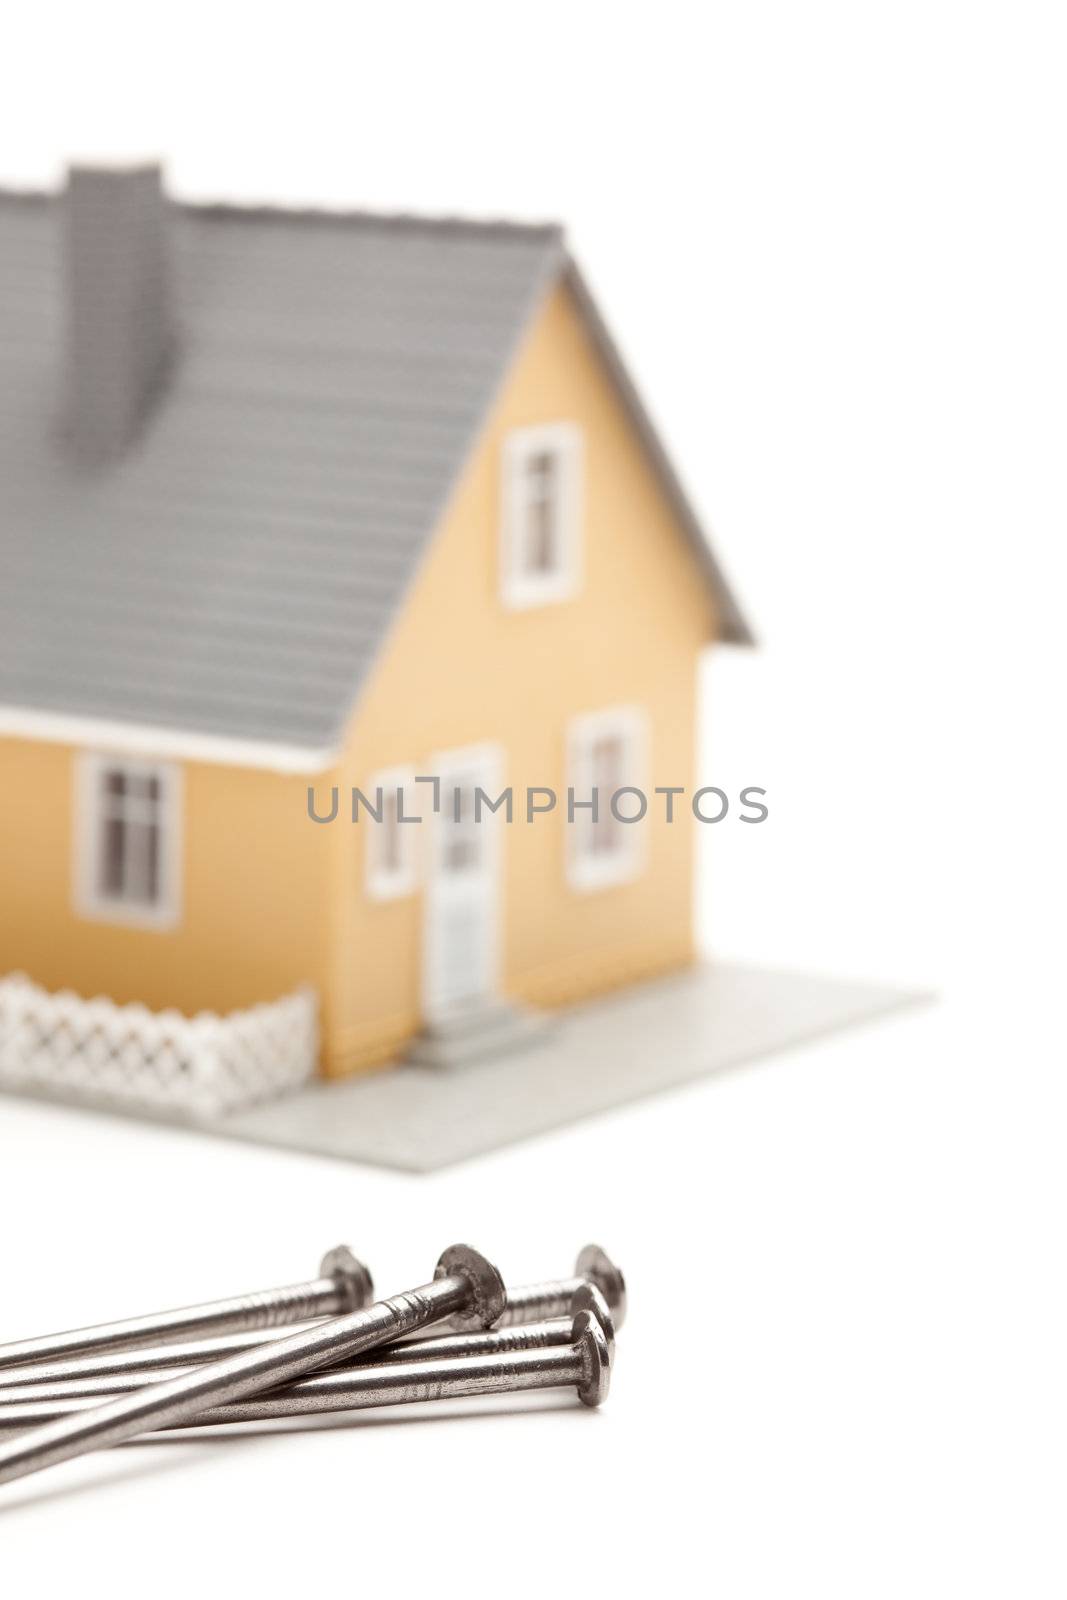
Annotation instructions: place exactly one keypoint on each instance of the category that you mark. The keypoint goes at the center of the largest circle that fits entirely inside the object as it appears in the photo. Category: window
(390, 845)
(541, 515)
(128, 861)
(606, 754)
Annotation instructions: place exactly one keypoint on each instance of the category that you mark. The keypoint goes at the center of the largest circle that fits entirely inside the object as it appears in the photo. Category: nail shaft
(344, 1285)
(584, 1361)
(530, 1336)
(467, 1285)
(122, 1363)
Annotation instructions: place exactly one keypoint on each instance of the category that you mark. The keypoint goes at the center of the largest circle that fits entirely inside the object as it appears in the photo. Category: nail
(584, 1361)
(344, 1284)
(466, 1286)
(47, 1392)
(534, 1300)
(525, 1304)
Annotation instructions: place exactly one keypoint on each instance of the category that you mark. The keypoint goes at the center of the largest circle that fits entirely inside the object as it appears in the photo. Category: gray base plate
(601, 1054)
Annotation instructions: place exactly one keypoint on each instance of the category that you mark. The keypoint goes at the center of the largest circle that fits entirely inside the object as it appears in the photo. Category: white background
(831, 240)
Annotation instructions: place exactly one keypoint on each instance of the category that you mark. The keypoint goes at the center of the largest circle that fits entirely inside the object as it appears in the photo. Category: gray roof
(234, 570)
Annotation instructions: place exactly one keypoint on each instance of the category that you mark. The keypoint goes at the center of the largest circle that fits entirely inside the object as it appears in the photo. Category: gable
(462, 662)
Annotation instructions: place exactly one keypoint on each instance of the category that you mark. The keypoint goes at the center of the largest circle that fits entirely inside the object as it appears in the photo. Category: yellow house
(314, 524)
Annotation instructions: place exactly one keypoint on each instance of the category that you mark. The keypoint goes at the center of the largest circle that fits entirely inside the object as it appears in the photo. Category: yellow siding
(254, 885)
(459, 668)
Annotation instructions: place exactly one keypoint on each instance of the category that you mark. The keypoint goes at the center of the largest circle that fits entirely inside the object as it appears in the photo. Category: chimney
(119, 326)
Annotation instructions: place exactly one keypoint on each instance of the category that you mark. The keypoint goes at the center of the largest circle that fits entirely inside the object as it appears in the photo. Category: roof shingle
(234, 572)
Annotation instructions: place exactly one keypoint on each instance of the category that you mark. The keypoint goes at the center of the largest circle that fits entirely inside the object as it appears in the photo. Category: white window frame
(587, 870)
(382, 881)
(90, 769)
(520, 588)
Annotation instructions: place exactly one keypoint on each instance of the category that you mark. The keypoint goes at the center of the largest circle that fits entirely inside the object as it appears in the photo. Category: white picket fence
(126, 1056)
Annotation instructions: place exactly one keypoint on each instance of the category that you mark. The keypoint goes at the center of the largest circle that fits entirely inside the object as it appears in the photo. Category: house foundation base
(598, 1055)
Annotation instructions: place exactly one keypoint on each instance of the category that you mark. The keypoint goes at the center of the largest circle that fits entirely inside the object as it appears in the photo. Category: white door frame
(464, 904)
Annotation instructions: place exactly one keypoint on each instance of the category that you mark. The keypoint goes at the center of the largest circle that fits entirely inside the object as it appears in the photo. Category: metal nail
(584, 1361)
(466, 1287)
(344, 1284)
(527, 1303)
(528, 1336)
(535, 1300)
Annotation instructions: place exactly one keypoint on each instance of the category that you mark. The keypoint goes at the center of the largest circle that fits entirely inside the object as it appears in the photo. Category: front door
(462, 931)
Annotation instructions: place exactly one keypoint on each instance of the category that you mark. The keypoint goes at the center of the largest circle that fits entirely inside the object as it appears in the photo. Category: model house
(310, 502)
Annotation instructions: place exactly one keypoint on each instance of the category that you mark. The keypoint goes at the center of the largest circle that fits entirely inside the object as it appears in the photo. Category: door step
(474, 1033)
